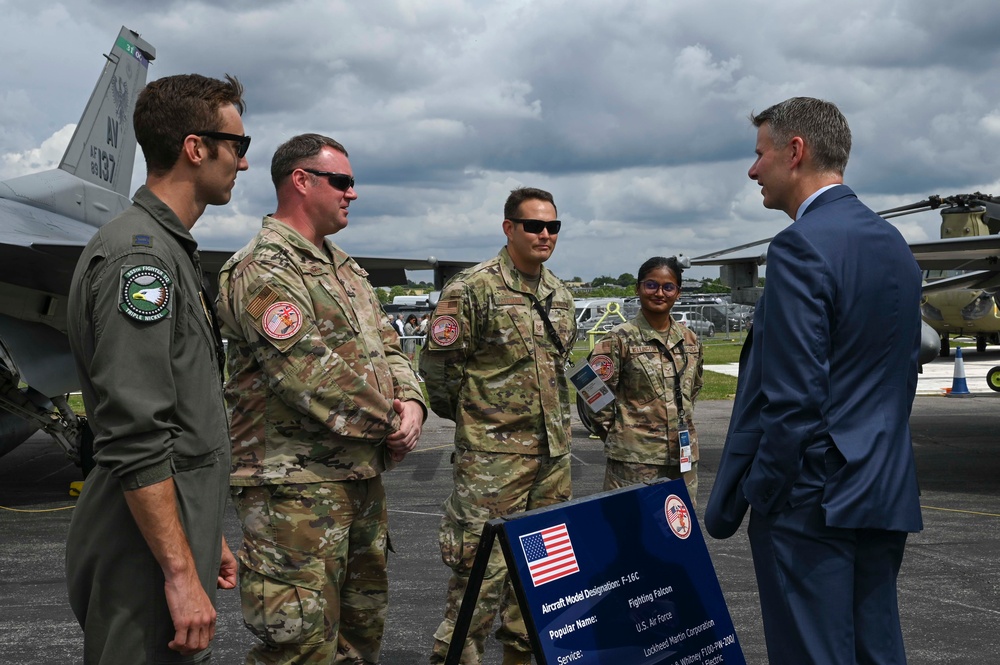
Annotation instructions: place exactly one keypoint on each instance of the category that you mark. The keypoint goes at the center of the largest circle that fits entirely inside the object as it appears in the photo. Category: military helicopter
(961, 272)
(959, 300)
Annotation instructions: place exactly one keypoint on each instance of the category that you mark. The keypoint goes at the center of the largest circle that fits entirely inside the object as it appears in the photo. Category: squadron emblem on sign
(144, 294)
(281, 320)
(678, 517)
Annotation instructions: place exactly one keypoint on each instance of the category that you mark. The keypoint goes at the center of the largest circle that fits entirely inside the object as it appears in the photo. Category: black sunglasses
(242, 142)
(536, 225)
(340, 181)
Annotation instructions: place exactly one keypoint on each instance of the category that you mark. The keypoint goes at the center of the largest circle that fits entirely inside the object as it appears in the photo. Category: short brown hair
(522, 194)
(169, 109)
(292, 152)
(817, 122)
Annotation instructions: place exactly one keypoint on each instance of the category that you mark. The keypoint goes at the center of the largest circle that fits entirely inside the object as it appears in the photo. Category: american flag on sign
(549, 553)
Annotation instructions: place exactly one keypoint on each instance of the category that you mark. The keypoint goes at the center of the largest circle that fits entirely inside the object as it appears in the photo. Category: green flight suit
(148, 357)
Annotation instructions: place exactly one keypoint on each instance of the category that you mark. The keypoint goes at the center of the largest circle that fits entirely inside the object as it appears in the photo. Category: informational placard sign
(620, 578)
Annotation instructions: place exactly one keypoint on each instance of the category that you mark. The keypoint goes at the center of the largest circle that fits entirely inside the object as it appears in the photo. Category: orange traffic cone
(959, 386)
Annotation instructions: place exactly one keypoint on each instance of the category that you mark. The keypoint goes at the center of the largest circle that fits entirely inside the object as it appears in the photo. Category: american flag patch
(264, 298)
(549, 554)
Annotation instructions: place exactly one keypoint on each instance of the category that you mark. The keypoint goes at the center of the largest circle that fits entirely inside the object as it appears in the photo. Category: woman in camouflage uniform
(653, 365)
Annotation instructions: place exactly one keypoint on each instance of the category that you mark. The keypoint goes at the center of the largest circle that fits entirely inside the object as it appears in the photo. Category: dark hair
(297, 149)
(670, 263)
(411, 317)
(522, 194)
(169, 109)
(817, 122)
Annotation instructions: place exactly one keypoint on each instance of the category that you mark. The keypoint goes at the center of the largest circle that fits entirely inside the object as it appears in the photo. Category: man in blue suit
(819, 442)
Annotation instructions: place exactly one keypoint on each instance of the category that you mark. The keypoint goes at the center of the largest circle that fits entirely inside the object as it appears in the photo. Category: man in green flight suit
(145, 549)
(495, 363)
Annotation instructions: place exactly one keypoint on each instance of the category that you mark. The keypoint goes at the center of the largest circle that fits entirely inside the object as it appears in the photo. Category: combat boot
(512, 656)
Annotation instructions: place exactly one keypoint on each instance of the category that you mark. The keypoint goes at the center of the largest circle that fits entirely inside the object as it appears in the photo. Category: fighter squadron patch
(281, 320)
(144, 294)
(445, 330)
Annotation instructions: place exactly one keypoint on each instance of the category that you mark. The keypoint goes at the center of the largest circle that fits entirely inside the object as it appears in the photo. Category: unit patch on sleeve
(144, 293)
(281, 320)
(604, 366)
(445, 330)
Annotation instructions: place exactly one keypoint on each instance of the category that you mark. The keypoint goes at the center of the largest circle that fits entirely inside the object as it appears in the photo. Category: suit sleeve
(795, 352)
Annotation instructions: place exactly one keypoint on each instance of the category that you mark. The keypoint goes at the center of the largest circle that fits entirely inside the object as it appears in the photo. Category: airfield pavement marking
(413, 512)
(955, 510)
(423, 450)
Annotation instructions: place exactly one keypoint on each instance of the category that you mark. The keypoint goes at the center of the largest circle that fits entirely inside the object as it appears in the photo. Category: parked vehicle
(698, 324)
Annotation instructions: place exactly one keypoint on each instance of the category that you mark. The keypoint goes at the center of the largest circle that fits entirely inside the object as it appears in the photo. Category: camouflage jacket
(491, 365)
(313, 363)
(641, 424)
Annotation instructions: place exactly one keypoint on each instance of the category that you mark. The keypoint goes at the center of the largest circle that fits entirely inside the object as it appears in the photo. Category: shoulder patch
(281, 320)
(445, 330)
(604, 366)
(142, 240)
(144, 293)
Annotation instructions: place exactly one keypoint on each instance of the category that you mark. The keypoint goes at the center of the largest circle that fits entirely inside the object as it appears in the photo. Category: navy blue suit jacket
(832, 356)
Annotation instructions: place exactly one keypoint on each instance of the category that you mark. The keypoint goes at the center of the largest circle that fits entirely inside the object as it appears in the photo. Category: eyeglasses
(242, 142)
(340, 181)
(536, 225)
(651, 286)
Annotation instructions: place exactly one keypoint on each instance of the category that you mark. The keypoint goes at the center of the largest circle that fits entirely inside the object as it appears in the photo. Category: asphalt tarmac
(948, 588)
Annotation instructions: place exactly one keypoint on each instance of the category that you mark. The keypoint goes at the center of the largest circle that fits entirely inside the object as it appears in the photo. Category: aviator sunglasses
(242, 142)
(340, 181)
(651, 286)
(536, 225)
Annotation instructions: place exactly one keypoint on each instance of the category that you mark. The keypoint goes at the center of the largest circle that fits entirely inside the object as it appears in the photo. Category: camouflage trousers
(487, 486)
(623, 474)
(313, 577)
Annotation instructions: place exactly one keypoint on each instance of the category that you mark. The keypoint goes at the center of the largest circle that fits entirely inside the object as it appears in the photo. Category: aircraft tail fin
(102, 150)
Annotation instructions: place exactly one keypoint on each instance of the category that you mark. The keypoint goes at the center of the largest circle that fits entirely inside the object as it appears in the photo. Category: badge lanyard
(544, 313)
(683, 435)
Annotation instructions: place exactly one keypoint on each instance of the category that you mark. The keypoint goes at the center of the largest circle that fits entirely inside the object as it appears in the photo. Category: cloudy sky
(633, 114)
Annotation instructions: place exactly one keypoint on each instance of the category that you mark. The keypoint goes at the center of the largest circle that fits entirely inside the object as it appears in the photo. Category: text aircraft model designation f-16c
(45, 221)
(961, 271)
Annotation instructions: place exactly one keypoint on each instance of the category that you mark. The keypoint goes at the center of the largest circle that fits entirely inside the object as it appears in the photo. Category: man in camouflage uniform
(323, 400)
(641, 366)
(494, 363)
(145, 550)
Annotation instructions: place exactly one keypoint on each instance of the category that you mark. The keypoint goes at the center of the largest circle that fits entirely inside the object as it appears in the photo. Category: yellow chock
(75, 488)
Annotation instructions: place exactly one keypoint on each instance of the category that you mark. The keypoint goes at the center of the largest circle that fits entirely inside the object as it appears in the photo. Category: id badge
(684, 439)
